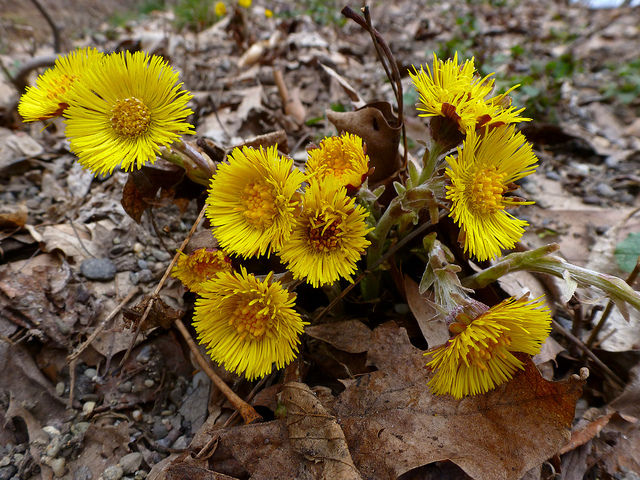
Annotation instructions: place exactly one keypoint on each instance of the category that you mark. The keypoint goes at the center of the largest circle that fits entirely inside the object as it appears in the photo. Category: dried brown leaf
(315, 433)
(431, 324)
(351, 336)
(393, 424)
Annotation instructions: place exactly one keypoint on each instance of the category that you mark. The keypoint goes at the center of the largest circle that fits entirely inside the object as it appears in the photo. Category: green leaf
(628, 251)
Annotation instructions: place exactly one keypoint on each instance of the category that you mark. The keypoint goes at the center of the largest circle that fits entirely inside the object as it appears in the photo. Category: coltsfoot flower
(201, 265)
(124, 109)
(253, 200)
(454, 91)
(479, 357)
(343, 157)
(484, 170)
(329, 236)
(51, 94)
(248, 324)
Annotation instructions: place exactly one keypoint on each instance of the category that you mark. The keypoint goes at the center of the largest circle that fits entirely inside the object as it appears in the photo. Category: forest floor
(69, 407)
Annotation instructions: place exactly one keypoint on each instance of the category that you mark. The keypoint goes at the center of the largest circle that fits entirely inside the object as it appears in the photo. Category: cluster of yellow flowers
(119, 108)
(492, 157)
(256, 207)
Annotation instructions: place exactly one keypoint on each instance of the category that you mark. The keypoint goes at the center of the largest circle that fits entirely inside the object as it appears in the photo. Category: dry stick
(52, 24)
(607, 311)
(393, 76)
(612, 376)
(390, 252)
(248, 413)
(154, 295)
(102, 326)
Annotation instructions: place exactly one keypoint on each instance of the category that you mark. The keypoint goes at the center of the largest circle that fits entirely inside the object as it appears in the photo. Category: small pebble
(60, 388)
(138, 247)
(125, 387)
(143, 264)
(181, 443)
(82, 473)
(145, 275)
(58, 465)
(87, 408)
(551, 175)
(112, 473)
(80, 428)
(99, 269)
(605, 190)
(7, 472)
(145, 354)
(137, 415)
(161, 255)
(51, 431)
(90, 373)
(591, 200)
(131, 462)
(149, 383)
(116, 241)
(141, 475)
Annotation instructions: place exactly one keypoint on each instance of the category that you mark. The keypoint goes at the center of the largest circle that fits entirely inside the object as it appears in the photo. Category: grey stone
(605, 190)
(160, 255)
(125, 387)
(159, 429)
(551, 175)
(114, 472)
(145, 275)
(7, 472)
(82, 473)
(99, 269)
(142, 264)
(131, 462)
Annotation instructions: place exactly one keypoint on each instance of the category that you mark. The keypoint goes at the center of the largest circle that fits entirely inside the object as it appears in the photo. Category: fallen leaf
(314, 433)
(392, 422)
(351, 336)
(431, 324)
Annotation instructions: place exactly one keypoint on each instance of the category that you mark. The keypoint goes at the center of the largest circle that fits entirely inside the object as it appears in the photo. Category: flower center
(61, 87)
(481, 356)
(250, 319)
(336, 163)
(130, 117)
(486, 190)
(324, 234)
(259, 203)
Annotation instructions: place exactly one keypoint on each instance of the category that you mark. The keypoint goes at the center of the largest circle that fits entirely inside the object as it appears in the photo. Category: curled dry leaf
(393, 424)
(351, 336)
(315, 433)
(429, 320)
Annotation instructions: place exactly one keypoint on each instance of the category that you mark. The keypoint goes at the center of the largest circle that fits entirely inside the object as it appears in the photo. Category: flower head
(220, 9)
(247, 324)
(343, 157)
(244, 3)
(455, 91)
(253, 200)
(50, 97)
(124, 110)
(329, 236)
(484, 170)
(479, 357)
(198, 267)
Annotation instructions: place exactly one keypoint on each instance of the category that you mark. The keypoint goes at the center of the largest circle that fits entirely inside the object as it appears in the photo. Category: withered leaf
(160, 315)
(393, 424)
(315, 433)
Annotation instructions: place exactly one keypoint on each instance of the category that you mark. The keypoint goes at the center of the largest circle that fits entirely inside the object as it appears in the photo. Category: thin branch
(52, 24)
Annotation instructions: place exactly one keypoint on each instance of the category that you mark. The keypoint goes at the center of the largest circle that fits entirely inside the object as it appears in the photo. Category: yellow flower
(201, 265)
(456, 92)
(479, 357)
(50, 97)
(220, 9)
(328, 237)
(343, 157)
(268, 13)
(124, 109)
(483, 172)
(244, 3)
(247, 324)
(253, 201)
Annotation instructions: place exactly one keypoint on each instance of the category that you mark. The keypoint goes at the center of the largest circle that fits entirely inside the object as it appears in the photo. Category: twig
(617, 382)
(154, 295)
(73, 227)
(383, 51)
(73, 365)
(102, 326)
(19, 80)
(52, 24)
(157, 230)
(248, 413)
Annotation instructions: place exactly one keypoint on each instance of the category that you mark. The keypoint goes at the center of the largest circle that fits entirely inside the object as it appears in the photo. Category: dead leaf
(351, 336)
(392, 422)
(315, 433)
(431, 324)
(14, 216)
(585, 434)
